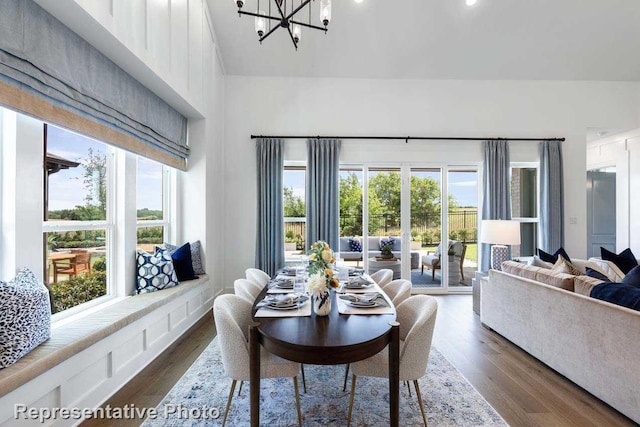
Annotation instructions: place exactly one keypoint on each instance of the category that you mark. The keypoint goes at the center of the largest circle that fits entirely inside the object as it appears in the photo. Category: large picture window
(524, 206)
(76, 217)
(151, 197)
(295, 209)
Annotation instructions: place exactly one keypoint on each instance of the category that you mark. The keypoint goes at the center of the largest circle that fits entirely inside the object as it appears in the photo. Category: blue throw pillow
(632, 278)
(355, 245)
(618, 293)
(182, 262)
(386, 242)
(596, 274)
(625, 260)
(155, 272)
(547, 257)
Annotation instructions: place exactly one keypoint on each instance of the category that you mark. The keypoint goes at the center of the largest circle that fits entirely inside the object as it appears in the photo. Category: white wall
(286, 106)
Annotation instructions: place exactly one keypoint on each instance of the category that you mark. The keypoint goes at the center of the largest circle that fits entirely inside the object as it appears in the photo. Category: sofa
(374, 247)
(593, 343)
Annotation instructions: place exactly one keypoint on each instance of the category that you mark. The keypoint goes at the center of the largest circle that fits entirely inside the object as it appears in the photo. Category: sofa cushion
(25, 316)
(609, 269)
(196, 255)
(537, 262)
(155, 272)
(182, 263)
(595, 274)
(355, 245)
(584, 284)
(539, 274)
(625, 260)
(386, 242)
(618, 293)
(344, 244)
(547, 257)
(564, 266)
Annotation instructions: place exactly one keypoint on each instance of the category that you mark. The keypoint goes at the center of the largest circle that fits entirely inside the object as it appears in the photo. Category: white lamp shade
(500, 232)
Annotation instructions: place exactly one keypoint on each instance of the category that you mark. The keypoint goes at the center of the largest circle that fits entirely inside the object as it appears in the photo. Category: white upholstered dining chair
(398, 290)
(246, 289)
(382, 277)
(417, 318)
(257, 276)
(232, 316)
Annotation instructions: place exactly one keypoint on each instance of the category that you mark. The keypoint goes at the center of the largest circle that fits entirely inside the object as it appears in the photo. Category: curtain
(270, 214)
(44, 66)
(495, 182)
(323, 213)
(551, 196)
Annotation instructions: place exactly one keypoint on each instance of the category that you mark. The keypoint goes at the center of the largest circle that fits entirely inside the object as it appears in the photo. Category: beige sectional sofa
(593, 343)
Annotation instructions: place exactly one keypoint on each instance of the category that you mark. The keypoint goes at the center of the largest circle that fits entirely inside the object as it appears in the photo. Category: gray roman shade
(49, 72)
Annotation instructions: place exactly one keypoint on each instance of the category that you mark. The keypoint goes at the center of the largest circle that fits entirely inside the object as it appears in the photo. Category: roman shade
(49, 72)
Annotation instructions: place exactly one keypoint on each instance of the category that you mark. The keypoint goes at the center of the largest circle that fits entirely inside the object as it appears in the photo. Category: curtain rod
(406, 139)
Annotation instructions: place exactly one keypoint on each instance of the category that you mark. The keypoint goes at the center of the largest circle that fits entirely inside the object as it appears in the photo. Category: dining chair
(257, 276)
(232, 316)
(382, 277)
(417, 317)
(246, 289)
(398, 290)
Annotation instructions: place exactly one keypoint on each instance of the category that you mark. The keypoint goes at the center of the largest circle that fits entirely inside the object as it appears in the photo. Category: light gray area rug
(448, 398)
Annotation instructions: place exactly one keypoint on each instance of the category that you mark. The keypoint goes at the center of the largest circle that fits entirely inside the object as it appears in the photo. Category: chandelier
(285, 17)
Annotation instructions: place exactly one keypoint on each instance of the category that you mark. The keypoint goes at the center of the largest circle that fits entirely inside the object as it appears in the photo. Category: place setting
(358, 284)
(284, 305)
(280, 285)
(364, 303)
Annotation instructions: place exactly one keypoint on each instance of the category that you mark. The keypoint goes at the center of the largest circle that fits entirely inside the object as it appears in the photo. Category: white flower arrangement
(317, 283)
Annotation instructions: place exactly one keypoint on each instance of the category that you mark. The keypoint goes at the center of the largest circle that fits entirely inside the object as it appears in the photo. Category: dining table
(324, 340)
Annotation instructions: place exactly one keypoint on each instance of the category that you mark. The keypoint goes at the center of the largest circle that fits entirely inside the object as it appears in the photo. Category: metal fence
(425, 227)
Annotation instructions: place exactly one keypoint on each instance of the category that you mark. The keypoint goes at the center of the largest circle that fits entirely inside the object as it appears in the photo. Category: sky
(66, 187)
(463, 185)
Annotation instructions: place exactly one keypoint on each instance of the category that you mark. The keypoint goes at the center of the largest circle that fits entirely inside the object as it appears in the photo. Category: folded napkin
(281, 283)
(282, 300)
(356, 271)
(289, 271)
(366, 300)
(357, 282)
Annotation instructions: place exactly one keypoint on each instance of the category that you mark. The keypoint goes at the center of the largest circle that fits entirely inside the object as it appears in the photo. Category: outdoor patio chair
(433, 259)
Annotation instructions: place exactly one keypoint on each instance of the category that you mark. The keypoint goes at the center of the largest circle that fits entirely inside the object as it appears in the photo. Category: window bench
(89, 358)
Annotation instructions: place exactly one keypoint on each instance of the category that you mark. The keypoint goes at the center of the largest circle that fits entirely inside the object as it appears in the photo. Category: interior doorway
(601, 210)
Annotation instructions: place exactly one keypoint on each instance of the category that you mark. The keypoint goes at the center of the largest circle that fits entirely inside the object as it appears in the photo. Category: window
(151, 196)
(351, 181)
(524, 206)
(295, 209)
(77, 223)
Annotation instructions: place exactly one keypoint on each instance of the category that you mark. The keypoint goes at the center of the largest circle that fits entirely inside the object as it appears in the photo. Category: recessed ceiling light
(471, 2)
(358, 1)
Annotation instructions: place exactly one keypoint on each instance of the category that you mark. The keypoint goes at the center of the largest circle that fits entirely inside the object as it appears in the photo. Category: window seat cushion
(72, 338)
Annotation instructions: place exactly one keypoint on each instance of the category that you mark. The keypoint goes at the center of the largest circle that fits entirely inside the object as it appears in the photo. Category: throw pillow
(618, 293)
(155, 272)
(596, 274)
(632, 278)
(625, 260)
(386, 242)
(196, 255)
(355, 245)
(564, 266)
(182, 264)
(25, 316)
(547, 257)
(537, 262)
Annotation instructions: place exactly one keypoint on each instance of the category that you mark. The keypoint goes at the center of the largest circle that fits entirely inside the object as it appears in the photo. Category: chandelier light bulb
(358, 1)
(239, 3)
(471, 2)
(261, 24)
(325, 11)
(297, 32)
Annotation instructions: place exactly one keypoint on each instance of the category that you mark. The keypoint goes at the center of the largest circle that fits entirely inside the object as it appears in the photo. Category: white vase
(322, 304)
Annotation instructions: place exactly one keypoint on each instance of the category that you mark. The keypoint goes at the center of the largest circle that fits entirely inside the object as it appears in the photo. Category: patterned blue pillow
(25, 316)
(354, 245)
(386, 242)
(155, 272)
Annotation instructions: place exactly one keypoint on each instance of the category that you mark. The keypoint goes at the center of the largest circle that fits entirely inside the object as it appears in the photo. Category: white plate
(357, 286)
(286, 307)
(363, 304)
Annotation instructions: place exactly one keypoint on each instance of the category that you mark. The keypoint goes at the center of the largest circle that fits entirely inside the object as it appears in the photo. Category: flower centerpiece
(321, 260)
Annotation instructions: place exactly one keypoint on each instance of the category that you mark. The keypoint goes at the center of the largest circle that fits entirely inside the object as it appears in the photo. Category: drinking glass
(298, 288)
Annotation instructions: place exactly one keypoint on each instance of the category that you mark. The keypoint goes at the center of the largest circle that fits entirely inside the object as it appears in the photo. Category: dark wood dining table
(325, 340)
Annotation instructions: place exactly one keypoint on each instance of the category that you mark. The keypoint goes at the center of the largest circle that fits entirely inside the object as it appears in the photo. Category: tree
(294, 206)
(95, 181)
(350, 205)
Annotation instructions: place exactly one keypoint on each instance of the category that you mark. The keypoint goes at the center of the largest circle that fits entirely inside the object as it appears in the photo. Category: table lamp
(500, 233)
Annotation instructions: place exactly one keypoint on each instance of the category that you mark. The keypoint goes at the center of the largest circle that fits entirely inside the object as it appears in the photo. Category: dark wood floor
(524, 391)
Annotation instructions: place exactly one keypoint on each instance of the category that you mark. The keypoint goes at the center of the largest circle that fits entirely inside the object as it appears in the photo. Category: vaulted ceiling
(444, 39)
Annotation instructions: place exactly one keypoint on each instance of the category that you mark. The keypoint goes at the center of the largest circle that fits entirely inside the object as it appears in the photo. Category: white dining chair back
(232, 315)
(382, 277)
(257, 276)
(417, 318)
(246, 289)
(398, 290)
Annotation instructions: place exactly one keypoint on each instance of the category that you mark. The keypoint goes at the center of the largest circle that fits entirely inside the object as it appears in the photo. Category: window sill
(76, 333)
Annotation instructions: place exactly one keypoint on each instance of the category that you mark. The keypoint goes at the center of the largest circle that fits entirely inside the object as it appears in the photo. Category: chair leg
(353, 393)
(346, 375)
(297, 392)
(240, 388)
(422, 269)
(304, 381)
(226, 411)
(408, 388)
(424, 417)
(461, 271)
(433, 274)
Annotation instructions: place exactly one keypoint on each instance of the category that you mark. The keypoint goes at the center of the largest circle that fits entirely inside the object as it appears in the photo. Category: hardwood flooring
(524, 391)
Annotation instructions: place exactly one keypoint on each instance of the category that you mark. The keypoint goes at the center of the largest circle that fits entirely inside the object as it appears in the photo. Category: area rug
(448, 398)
